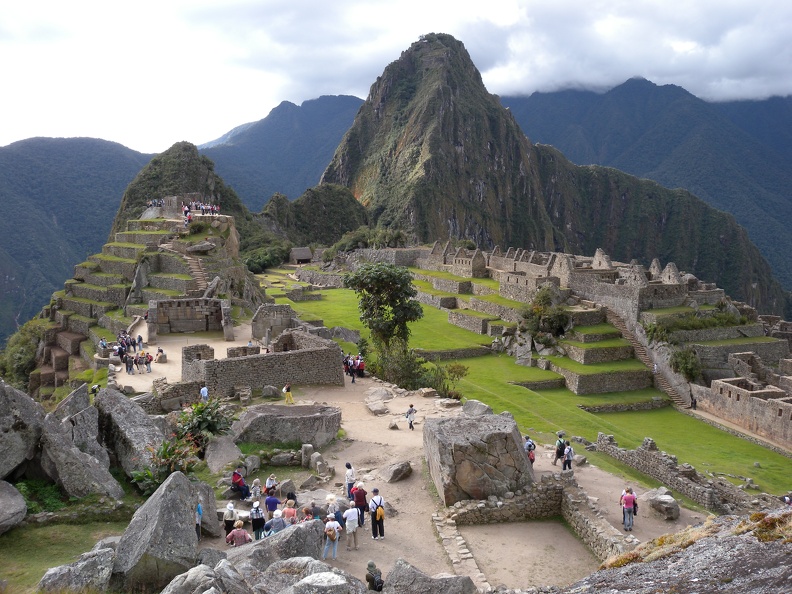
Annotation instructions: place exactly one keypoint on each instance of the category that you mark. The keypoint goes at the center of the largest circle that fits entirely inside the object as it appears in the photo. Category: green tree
(386, 300)
(686, 362)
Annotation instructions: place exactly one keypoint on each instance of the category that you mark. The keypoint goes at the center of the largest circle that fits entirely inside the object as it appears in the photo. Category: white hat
(256, 504)
(230, 505)
(277, 513)
(330, 517)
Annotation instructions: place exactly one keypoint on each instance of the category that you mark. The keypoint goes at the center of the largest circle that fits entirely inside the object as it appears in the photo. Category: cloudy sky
(148, 74)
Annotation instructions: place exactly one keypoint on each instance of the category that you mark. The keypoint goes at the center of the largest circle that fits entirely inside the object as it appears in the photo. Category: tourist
(351, 520)
(359, 497)
(350, 479)
(290, 512)
(257, 520)
(288, 392)
(316, 511)
(621, 503)
(334, 509)
(569, 453)
(204, 394)
(307, 515)
(271, 484)
(271, 503)
(148, 358)
(693, 402)
(377, 507)
(276, 524)
(238, 483)
(160, 355)
(410, 414)
(229, 517)
(374, 577)
(198, 518)
(628, 504)
(255, 491)
(332, 530)
(530, 449)
(140, 342)
(560, 446)
(238, 536)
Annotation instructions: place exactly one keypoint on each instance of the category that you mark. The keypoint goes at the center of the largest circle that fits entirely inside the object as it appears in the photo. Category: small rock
(393, 425)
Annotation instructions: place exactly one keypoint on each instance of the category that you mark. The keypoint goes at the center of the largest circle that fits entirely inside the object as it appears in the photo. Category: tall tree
(386, 300)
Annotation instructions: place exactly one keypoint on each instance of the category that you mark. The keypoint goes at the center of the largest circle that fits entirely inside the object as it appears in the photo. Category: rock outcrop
(91, 572)
(12, 507)
(20, 428)
(406, 578)
(475, 457)
(220, 451)
(222, 578)
(275, 423)
(395, 472)
(160, 542)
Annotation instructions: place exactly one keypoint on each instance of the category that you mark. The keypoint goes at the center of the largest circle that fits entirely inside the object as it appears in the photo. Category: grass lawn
(597, 329)
(598, 368)
(602, 344)
(25, 560)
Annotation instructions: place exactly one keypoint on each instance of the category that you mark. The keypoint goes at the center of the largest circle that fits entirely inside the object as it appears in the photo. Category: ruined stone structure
(170, 316)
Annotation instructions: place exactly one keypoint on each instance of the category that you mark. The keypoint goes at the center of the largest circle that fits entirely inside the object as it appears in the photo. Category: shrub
(41, 496)
(686, 362)
(542, 316)
(171, 456)
(201, 422)
(398, 364)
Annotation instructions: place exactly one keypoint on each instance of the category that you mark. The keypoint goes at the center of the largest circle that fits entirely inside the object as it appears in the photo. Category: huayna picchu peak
(433, 152)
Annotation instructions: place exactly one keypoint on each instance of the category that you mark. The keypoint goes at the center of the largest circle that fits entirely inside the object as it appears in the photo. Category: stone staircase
(642, 355)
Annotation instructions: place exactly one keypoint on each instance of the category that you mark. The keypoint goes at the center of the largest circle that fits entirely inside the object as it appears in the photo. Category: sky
(148, 74)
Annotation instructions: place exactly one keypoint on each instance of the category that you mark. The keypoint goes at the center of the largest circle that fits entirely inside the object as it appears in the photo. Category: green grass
(25, 559)
(602, 344)
(598, 368)
(476, 314)
(596, 329)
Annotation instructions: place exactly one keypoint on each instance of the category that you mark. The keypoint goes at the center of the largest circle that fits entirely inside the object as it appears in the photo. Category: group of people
(354, 366)
(563, 452)
(195, 206)
(160, 202)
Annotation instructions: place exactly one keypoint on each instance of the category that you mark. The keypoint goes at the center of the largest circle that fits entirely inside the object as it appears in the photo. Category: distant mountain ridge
(726, 154)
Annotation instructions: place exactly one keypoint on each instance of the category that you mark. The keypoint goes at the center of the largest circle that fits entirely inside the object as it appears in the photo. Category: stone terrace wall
(715, 494)
(604, 382)
(657, 296)
(717, 357)
(622, 299)
(766, 412)
(720, 333)
(589, 356)
(322, 279)
(396, 256)
(436, 300)
(472, 323)
(507, 314)
(451, 354)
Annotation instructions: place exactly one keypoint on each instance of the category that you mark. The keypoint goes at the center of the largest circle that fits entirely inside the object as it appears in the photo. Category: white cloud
(151, 73)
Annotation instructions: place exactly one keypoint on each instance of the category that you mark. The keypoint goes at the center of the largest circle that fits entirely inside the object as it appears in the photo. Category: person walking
(257, 520)
(376, 505)
(204, 394)
(229, 517)
(361, 503)
(374, 577)
(332, 532)
(271, 503)
(628, 503)
(560, 446)
(351, 517)
(350, 479)
(530, 449)
(288, 392)
(198, 518)
(238, 536)
(569, 453)
(276, 524)
(410, 414)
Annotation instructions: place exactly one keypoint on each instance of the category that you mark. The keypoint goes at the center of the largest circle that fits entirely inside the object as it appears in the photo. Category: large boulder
(406, 578)
(300, 540)
(12, 507)
(328, 582)
(82, 428)
(77, 473)
(220, 452)
(377, 407)
(75, 402)
(20, 428)
(127, 430)
(160, 541)
(209, 522)
(664, 503)
(475, 408)
(475, 457)
(396, 472)
(223, 578)
(275, 423)
(297, 573)
(91, 572)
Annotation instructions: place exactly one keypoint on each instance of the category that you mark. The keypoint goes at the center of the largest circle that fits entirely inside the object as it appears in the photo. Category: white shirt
(352, 516)
(376, 501)
(350, 475)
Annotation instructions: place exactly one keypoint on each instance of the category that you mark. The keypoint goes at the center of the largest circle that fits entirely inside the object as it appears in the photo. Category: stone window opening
(780, 412)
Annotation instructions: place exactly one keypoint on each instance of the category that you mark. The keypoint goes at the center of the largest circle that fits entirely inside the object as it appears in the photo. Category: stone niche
(475, 457)
(275, 423)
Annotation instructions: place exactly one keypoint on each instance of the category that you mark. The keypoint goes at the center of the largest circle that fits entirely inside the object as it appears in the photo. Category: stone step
(114, 265)
(129, 251)
(59, 358)
(70, 342)
(172, 282)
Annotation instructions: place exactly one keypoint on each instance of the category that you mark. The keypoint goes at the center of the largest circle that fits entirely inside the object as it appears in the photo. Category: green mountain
(733, 156)
(59, 196)
(285, 152)
(432, 152)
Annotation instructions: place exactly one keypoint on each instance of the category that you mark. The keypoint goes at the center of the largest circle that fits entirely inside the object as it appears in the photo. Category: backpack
(531, 455)
(379, 514)
(378, 583)
(331, 534)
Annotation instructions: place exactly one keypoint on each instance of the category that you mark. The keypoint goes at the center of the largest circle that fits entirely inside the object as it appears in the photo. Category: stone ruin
(474, 457)
(277, 423)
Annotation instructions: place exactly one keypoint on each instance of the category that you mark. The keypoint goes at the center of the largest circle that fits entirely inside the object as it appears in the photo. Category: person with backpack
(376, 505)
(332, 530)
(374, 577)
(560, 446)
(569, 453)
(149, 359)
(276, 524)
(257, 520)
(530, 449)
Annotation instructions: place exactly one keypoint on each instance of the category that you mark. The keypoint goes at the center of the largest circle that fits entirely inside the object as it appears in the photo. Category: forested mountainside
(432, 152)
(734, 155)
(58, 196)
(285, 152)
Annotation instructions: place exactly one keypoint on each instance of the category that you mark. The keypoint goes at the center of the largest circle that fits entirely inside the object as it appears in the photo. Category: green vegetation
(172, 455)
(18, 359)
(201, 422)
(542, 316)
(41, 496)
(686, 362)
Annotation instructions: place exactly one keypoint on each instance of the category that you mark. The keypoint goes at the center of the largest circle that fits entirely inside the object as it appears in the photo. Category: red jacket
(360, 497)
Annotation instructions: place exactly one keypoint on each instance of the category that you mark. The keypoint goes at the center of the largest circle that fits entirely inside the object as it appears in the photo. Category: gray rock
(83, 429)
(160, 541)
(287, 486)
(377, 407)
(220, 452)
(474, 408)
(282, 459)
(396, 472)
(393, 425)
(475, 457)
(74, 403)
(223, 577)
(91, 572)
(330, 582)
(284, 574)
(252, 464)
(300, 540)
(12, 507)
(378, 393)
(267, 423)
(579, 460)
(201, 247)
(447, 403)
(666, 505)
(109, 542)
(205, 494)
(270, 392)
(316, 458)
(310, 482)
(306, 452)
(211, 557)
(406, 578)
(127, 430)
(20, 428)
(77, 473)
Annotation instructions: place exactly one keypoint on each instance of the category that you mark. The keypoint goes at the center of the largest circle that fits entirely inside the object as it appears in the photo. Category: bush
(398, 364)
(169, 457)
(200, 423)
(41, 496)
(18, 359)
(686, 362)
(542, 316)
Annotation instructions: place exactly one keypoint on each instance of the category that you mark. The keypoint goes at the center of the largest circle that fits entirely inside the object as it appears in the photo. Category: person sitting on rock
(238, 483)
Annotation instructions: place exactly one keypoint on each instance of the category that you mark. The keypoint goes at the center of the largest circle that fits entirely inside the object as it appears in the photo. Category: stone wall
(765, 411)
(590, 356)
(436, 300)
(717, 356)
(309, 360)
(472, 323)
(185, 315)
(270, 320)
(507, 314)
(451, 354)
(451, 286)
(720, 333)
(604, 382)
(716, 494)
(396, 256)
(658, 296)
(321, 279)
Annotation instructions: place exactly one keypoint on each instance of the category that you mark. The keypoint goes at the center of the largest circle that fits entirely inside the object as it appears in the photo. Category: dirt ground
(515, 555)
